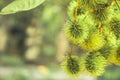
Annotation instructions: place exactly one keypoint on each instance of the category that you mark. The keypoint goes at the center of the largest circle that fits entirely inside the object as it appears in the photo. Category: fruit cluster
(93, 25)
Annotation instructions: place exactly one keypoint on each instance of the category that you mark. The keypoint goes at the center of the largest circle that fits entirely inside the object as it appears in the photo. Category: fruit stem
(75, 20)
(100, 27)
(76, 9)
(116, 1)
(71, 50)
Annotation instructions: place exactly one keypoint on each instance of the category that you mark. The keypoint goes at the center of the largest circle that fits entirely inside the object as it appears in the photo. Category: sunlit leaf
(20, 5)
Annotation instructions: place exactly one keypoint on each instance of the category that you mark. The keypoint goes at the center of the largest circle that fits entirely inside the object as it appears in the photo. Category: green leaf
(20, 5)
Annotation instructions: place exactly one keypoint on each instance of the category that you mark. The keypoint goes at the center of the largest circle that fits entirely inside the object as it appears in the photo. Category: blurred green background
(32, 44)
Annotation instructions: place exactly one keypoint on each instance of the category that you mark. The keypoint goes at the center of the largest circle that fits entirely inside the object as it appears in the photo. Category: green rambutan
(114, 25)
(93, 3)
(95, 63)
(117, 57)
(72, 66)
(94, 42)
(109, 37)
(75, 32)
(80, 11)
(108, 52)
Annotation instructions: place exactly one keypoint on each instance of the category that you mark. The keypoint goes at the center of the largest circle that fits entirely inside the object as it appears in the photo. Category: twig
(76, 9)
(75, 21)
(71, 50)
(116, 1)
(100, 27)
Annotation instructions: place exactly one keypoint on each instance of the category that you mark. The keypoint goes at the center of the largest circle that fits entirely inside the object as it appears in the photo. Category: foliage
(20, 5)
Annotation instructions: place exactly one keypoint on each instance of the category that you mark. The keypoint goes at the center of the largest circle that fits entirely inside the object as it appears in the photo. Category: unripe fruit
(95, 63)
(115, 26)
(71, 11)
(75, 32)
(72, 66)
(94, 42)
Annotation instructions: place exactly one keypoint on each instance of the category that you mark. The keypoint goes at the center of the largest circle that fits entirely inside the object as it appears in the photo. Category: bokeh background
(32, 44)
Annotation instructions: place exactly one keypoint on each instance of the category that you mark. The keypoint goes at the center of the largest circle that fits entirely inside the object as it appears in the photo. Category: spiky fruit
(95, 63)
(101, 12)
(114, 25)
(80, 11)
(117, 57)
(94, 42)
(72, 66)
(75, 32)
(108, 52)
(109, 37)
(93, 3)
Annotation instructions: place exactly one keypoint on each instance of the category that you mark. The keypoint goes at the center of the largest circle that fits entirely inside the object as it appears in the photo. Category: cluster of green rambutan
(93, 25)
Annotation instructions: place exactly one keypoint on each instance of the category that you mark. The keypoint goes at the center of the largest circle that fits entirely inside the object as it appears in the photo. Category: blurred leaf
(21, 5)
